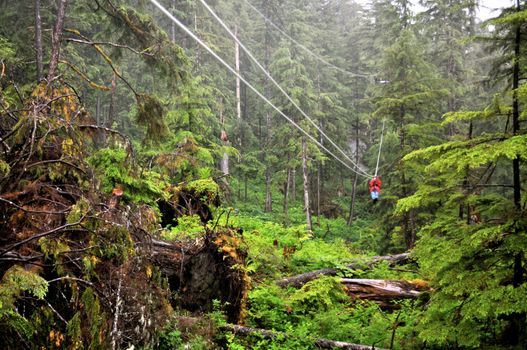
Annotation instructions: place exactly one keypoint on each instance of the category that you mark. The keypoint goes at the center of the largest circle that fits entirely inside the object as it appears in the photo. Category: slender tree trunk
(55, 40)
(238, 95)
(356, 177)
(286, 195)
(319, 182)
(173, 24)
(305, 176)
(319, 165)
(293, 185)
(268, 173)
(517, 319)
(113, 103)
(38, 40)
(225, 159)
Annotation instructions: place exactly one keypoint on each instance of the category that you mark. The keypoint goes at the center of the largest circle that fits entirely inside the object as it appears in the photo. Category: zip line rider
(375, 188)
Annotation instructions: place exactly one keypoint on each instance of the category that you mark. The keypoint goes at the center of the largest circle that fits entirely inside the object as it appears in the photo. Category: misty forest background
(148, 199)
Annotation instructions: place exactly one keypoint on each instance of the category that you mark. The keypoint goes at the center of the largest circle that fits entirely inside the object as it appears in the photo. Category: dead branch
(34, 211)
(299, 280)
(40, 235)
(107, 43)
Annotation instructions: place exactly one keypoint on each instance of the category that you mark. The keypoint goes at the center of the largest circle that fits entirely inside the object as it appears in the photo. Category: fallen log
(383, 291)
(321, 343)
(299, 280)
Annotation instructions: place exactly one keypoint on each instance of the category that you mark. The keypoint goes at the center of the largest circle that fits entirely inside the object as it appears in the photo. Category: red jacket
(375, 184)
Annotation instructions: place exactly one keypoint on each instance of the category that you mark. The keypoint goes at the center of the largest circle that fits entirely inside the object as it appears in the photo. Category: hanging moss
(150, 114)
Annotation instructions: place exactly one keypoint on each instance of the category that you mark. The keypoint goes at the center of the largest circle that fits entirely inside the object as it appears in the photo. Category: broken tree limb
(299, 280)
(321, 343)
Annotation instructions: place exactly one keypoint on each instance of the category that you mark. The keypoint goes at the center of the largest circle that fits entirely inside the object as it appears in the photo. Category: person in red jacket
(375, 188)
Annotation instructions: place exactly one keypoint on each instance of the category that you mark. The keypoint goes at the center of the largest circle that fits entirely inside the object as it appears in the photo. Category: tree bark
(305, 176)
(224, 164)
(268, 174)
(356, 177)
(55, 40)
(518, 319)
(299, 280)
(382, 290)
(286, 195)
(238, 94)
(38, 41)
(173, 24)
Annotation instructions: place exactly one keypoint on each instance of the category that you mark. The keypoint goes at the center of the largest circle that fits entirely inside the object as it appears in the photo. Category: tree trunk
(356, 177)
(224, 165)
(293, 185)
(268, 196)
(55, 41)
(518, 319)
(299, 280)
(172, 23)
(113, 103)
(38, 40)
(286, 196)
(305, 177)
(268, 174)
(238, 95)
(383, 291)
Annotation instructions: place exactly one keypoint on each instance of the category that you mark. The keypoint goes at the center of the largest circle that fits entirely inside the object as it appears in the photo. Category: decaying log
(383, 291)
(299, 280)
(321, 343)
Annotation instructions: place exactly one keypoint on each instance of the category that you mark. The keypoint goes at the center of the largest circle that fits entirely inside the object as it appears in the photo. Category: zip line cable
(268, 75)
(304, 47)
(233, 71)
(380, 146)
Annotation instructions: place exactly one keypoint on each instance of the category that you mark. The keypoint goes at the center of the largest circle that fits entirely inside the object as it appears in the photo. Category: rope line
(380, 147)
(304, 47)
(233, 71)
(268, 75)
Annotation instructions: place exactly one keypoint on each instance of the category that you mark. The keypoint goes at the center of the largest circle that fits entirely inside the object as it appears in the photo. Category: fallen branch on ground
(299, 280)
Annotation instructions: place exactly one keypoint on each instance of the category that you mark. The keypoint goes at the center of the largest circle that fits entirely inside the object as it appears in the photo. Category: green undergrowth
(321, 308)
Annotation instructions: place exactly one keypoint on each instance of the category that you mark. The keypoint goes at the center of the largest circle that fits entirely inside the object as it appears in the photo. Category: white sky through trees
(487, 8)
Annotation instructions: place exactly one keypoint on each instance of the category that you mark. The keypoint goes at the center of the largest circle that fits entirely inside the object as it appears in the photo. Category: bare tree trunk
(115, 327)
(38, 40)
(319, 182)
(356, 178)
(268, 174)
(113, 102)
(299, 280)
(173, 24)
(306, 185)
(224, 166)
(286, 196)
(238, 95)
(268, 195)
(518, 270)
(293, 184)
(55, 40)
